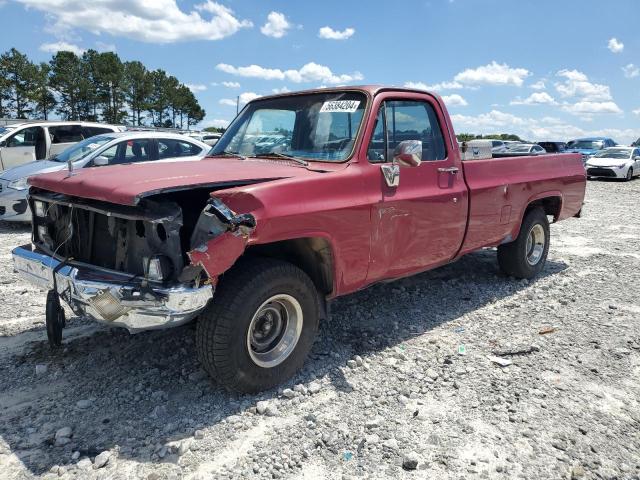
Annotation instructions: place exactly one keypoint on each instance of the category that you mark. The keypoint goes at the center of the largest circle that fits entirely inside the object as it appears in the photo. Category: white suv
(38, 140)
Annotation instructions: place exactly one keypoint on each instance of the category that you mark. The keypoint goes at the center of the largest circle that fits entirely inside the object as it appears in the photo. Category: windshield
(82, 149)
(315, 127)
(586, 144)
(617, 153)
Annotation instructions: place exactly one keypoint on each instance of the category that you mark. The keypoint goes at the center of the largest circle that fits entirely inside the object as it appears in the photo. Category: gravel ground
(384, 392)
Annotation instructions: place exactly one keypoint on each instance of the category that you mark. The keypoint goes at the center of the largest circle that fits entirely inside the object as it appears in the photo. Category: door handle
(451, 170)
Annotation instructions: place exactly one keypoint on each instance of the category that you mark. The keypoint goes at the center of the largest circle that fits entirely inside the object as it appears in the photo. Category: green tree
(137, 89)
(158, 102)
(43, 98)
(18, 74)
(67, 79)
(109, 86)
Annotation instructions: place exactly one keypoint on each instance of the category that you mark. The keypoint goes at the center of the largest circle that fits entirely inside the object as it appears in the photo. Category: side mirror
(100, 161)
(636, 158)
(408, 153)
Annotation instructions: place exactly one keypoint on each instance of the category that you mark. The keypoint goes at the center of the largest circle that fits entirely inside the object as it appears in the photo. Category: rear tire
(260, 326)
(526, 256)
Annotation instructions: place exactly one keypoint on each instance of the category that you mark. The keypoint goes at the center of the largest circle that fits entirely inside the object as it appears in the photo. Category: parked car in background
(526, 149)
(210, 138)
(511, 143)
(29, 141)
(615, 162)
(497, 146)
(553, 147)
(107, 149)
(589, 146)
(636, 143)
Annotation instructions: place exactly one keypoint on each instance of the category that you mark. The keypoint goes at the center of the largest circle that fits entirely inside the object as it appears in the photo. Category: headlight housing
(620, 166)
(19, 184)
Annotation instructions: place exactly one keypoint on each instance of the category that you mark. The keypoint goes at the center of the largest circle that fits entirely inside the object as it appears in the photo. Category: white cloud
(454, 100)
(245, 97)
(539, 85)
(537, 98)
(436, 87)
(105, 47)
(577, 84)
(547, 128)
(615, 46)
(331, 34)
(280, 90)
(631, 71)
(231, 84)
(493, 74)
(276, 26)
(310, 72)
(216, 122)
(636, 111)
(157, 21)
(586, 107)
(195, 87)
(56, 47)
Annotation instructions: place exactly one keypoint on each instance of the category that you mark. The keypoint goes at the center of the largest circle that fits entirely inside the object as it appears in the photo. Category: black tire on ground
(629, 174)
(223, 336)
(525, 258)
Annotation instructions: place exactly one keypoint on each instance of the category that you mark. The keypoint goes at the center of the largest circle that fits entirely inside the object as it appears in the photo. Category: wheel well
(313, 255)
(551, 206)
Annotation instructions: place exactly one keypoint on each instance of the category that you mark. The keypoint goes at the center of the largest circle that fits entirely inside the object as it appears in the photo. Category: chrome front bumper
(111, 297)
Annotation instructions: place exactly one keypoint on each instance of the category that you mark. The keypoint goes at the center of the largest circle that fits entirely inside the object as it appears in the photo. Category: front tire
(260, 326)
(526, 256)
(629, 174)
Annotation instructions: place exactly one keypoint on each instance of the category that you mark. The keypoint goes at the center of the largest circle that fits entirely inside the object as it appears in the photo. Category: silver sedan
(98, 151)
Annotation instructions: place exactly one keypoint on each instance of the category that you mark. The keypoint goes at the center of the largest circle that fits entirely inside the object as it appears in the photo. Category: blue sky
(543, 69)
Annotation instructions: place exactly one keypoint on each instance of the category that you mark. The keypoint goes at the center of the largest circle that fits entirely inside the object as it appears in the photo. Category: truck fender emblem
(391, 174)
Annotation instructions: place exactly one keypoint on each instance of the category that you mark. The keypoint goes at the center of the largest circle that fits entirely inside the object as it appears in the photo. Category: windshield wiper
(225, 153)
(281, 155)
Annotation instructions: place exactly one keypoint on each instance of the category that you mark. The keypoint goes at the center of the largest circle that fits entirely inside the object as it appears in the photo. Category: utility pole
(237, 104)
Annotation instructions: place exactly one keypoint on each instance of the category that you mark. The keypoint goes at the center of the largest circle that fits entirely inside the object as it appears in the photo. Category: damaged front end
(137, 267)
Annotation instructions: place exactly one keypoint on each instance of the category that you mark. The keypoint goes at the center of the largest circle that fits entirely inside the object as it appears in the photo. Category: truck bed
(500, 188)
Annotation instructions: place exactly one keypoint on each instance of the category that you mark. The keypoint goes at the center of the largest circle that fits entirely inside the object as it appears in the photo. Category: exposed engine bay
(150, 241)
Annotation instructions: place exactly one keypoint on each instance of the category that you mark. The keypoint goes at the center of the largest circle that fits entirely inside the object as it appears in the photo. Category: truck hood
(32, 168)
(128, 184)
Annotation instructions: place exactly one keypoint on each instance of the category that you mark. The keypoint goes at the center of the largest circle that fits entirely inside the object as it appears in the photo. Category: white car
(98, 151)
(614, 162)
(38, 140)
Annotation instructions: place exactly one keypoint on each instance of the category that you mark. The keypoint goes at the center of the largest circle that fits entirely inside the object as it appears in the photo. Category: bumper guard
(110, 297)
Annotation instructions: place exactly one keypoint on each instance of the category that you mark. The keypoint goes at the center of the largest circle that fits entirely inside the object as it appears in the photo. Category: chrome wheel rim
(535, 244)
(274, 330)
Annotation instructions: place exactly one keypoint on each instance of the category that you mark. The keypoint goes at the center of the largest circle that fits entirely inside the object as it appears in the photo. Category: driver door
(420, 222)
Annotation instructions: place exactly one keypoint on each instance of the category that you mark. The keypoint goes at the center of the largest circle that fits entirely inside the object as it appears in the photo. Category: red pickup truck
(306, 197)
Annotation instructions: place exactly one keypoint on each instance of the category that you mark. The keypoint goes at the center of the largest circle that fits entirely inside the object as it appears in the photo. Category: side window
(136, 151)
(65, 134)
(26, 137)
(93, 131)
(171, 148)
(415, 120)
(113, 153)
(407, 120)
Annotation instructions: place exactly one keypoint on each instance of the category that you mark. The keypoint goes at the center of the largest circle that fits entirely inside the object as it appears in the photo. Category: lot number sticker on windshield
(334, 106)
